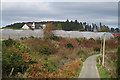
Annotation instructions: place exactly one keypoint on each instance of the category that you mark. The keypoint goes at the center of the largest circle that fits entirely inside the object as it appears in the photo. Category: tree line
(70, 26)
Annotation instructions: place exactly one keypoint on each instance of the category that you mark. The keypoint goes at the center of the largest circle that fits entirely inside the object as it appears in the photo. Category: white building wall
(25, 27)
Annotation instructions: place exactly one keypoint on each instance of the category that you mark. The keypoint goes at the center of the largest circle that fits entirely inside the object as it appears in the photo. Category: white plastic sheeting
(16, 34)
(87, 35)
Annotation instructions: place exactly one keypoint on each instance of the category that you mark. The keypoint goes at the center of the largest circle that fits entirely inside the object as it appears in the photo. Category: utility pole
(101, 47)
(103, 50)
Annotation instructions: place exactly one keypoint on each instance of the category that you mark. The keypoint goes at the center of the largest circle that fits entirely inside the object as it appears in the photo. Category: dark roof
(37, 26)
(30, 26)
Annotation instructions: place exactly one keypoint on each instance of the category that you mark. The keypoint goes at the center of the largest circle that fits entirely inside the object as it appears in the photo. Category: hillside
(56, 57)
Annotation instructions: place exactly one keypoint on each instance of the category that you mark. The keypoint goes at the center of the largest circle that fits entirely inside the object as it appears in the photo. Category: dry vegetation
(110, 67)
(48, 58)
(111, 44)
(111, 60)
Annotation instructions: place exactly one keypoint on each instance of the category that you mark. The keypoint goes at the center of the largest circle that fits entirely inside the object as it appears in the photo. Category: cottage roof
(37, 26)
(30, 25)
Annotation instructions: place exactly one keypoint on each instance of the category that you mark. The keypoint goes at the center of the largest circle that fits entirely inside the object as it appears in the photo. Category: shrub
(69, 45)
(22, 47)
(96, 48)
(31, 36)
(8, 42)
(19, 46)
(46, 58)
(80, 52)
(11, 59)
(51, 68)
(81, 29)
(40, 46)
(59, 27)
(56, 38)
(32, 62)
(118, 38)
(91, 39)
(79, 41)
(83, 59)
(22, 38)
(45, 50)
(40, 38)
(97, 59)
(48, 30)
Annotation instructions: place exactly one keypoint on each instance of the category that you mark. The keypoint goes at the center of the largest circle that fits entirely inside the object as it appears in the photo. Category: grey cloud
(92, 12)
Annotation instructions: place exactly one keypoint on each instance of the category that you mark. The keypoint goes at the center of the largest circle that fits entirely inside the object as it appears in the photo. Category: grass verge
(79, 70)
(84, 58)
(102, 72)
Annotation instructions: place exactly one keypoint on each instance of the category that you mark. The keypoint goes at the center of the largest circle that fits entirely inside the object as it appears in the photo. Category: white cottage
(28, 26)
(25, 27)
(33, 26)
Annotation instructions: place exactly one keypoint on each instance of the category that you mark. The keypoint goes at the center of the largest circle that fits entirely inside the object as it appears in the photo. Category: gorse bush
(69, 45)
(12, 52)
(96, 48)
(22, 47)
(56, 38)
(12, 59)
(19, 46)
(9, 42)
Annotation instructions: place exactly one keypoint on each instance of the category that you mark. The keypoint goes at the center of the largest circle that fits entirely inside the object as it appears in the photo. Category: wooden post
(103, 50)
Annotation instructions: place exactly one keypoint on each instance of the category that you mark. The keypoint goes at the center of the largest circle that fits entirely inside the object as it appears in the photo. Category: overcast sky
(90, 12)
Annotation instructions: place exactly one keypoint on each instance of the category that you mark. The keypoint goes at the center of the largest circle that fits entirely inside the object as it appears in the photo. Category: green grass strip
(102, 72)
